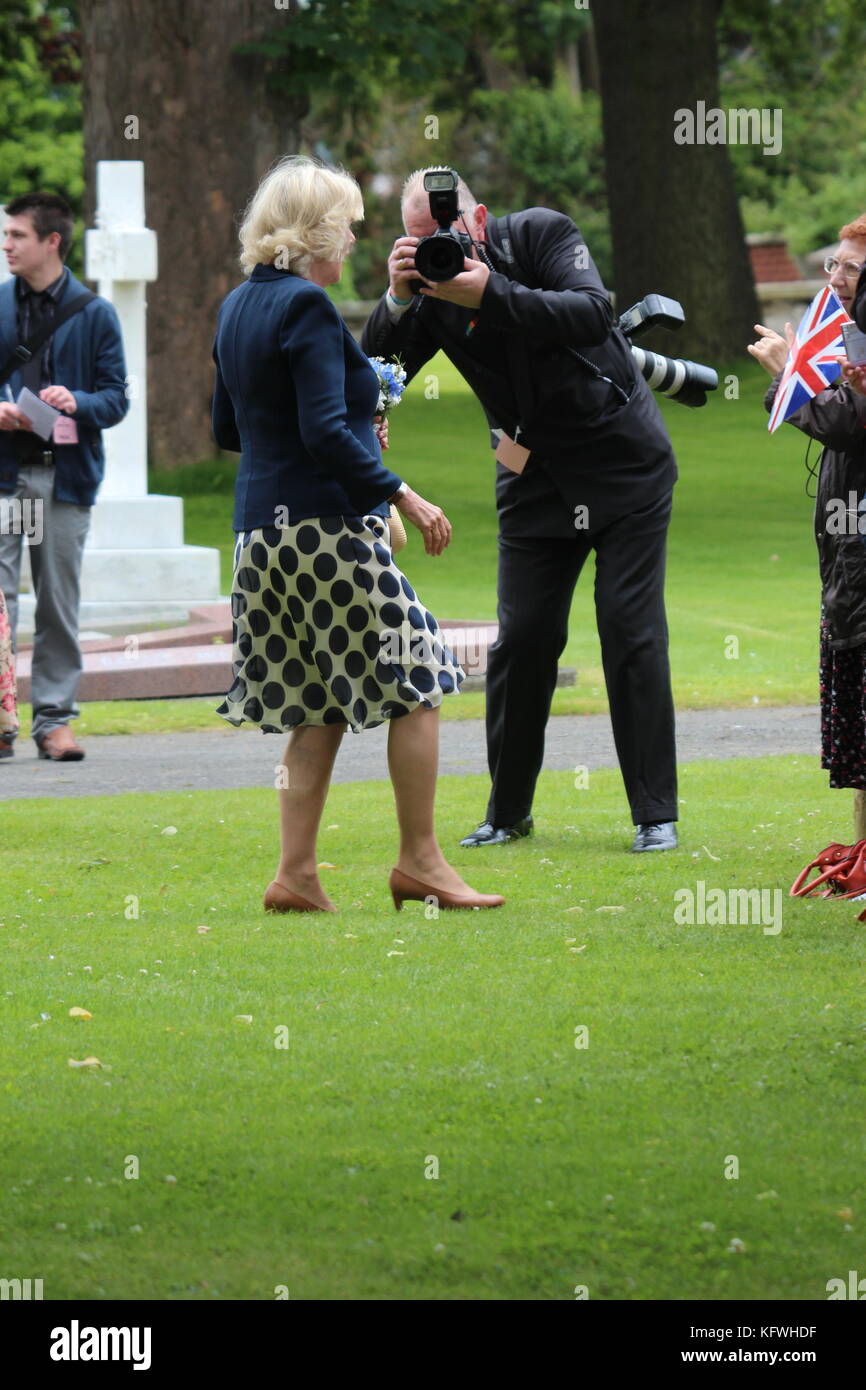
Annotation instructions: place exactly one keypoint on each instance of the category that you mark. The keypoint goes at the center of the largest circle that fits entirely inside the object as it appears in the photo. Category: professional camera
(440, 256)
(687, 382)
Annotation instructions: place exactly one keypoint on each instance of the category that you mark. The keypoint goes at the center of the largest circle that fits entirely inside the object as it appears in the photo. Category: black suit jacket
(543, 298)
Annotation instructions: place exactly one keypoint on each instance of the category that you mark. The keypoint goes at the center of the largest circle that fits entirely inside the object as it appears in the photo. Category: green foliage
(354, 52)
(491, 77)
(325, 53)
(41, 141)
(807, 61)
(345, 287)
(364, 75)
(551, 154)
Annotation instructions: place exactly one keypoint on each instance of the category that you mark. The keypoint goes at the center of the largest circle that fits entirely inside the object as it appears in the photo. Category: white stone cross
(120, 255)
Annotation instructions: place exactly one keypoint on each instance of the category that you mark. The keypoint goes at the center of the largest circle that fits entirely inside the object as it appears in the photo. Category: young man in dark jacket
(79, 370)
(530, 326)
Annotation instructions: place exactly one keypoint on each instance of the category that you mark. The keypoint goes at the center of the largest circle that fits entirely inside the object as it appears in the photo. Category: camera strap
(46, 330)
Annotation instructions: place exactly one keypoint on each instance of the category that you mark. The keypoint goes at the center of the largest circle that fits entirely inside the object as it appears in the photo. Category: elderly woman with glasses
(836, 418)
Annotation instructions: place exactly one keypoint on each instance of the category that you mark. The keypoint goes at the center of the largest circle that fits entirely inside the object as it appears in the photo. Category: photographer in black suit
(530, 326)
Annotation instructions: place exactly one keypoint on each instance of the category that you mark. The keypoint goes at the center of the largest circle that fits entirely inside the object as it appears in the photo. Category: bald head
(415, 205)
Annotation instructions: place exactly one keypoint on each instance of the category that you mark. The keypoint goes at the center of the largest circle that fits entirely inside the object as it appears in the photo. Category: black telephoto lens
(686, 382)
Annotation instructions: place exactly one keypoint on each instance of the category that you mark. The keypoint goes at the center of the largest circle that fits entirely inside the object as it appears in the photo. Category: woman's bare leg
(309, 761)
(413, 764)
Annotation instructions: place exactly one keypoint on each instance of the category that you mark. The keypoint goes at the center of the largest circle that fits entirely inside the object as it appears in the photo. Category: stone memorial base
(136, 572)
(196, 659)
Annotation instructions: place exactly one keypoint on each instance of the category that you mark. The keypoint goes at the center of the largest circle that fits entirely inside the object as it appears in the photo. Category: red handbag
(842, 874)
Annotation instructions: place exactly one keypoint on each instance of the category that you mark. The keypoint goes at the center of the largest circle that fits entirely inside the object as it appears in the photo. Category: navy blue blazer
(296, 396)
(87, 358)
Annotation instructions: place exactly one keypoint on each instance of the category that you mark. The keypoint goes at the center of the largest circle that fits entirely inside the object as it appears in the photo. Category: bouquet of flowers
(392, 383)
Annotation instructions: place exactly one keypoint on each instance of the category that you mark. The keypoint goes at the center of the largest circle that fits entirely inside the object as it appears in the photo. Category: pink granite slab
(197, 659)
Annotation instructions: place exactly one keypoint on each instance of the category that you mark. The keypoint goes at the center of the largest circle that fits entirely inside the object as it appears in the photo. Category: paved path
(246, 758)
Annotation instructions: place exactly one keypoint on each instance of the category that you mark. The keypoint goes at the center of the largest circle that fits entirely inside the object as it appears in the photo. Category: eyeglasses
(850, 269)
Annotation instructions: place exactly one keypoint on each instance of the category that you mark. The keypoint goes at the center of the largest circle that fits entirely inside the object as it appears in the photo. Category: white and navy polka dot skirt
(328, 630)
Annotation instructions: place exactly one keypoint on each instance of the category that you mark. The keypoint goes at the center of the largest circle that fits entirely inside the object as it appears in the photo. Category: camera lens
(439, 257)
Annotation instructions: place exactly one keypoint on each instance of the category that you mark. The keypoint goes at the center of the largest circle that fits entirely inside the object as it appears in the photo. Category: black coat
(544, 298)
(837, 419)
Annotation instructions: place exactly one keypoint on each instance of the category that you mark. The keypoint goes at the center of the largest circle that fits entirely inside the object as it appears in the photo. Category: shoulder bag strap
(47, 328)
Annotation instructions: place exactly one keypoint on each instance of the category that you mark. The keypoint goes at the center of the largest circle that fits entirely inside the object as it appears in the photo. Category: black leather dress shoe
(655, 835)
(488, 834)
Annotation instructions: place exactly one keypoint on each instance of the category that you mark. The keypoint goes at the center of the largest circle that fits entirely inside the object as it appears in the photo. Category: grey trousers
(55, 562)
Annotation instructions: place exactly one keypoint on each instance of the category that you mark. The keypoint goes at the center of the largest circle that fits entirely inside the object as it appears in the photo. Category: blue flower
(392, 383)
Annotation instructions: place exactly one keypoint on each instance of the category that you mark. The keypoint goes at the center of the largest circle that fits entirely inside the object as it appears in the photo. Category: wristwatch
(395, 497)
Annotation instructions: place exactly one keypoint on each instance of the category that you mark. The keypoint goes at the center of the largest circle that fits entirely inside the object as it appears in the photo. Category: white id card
(41, 416)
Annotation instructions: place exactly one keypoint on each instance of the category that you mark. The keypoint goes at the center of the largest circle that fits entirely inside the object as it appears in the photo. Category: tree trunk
(588, 56)
(571, 68)
(207, 131)
(675, 220)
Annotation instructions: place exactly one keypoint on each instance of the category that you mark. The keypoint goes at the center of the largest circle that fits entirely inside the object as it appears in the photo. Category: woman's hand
(430, 520)
(855, 375)
(771, 349)
(381, 428)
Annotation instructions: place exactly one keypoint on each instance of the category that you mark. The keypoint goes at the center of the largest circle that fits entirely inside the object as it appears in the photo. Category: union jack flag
(810, 366)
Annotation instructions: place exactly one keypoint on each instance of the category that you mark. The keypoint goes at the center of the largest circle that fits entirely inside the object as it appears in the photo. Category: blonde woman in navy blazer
(328, 633)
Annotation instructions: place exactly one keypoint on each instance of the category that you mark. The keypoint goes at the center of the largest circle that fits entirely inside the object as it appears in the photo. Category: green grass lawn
(411, 1040)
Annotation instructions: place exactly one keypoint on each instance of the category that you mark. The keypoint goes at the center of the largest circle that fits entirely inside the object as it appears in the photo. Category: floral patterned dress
(8, 710)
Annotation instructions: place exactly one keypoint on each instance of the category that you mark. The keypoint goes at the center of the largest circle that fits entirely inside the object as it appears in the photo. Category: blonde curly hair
(299, 213)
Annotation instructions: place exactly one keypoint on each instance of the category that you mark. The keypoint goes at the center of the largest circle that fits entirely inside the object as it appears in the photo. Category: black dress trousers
(537, 576)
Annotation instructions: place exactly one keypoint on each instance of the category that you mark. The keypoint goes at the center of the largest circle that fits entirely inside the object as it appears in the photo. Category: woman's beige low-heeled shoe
(280, 899)
(405, 888)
